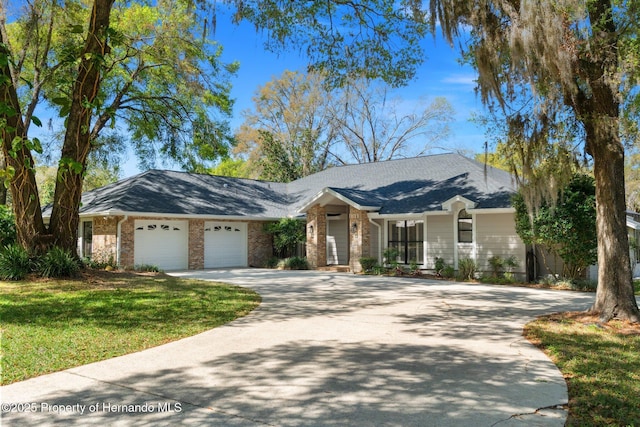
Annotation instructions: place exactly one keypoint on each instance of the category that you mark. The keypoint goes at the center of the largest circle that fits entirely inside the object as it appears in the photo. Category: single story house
(442, 205)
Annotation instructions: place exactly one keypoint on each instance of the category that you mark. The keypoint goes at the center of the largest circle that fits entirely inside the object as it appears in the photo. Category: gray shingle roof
(169, 192)
(411, 185)
(397, 186)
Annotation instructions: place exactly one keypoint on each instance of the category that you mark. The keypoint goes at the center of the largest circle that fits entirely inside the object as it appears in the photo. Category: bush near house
(368, 263)
(58, 263)
(467, 269)
(554, 226)
(294, 263)
(16, 263)
(287, 233)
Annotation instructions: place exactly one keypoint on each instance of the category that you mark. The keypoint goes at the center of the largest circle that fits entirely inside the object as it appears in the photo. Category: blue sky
(440, 75)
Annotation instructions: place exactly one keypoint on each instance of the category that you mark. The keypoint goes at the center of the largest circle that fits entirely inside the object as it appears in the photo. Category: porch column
(359, 238)
(317, 237)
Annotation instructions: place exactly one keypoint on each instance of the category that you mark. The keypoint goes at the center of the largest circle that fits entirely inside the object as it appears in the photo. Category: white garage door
(225, 244)
(162, 243)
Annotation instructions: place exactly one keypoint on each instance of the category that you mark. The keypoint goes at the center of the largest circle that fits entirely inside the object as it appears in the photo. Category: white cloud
(461, 79)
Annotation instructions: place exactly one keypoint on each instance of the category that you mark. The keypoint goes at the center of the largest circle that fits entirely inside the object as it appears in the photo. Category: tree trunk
(26, 203)
(3, 189)
(599, 110)
(77, 140)
(615, 296)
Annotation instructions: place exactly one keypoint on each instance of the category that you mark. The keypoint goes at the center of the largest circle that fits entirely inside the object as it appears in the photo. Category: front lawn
(601, 364)
(51, 325)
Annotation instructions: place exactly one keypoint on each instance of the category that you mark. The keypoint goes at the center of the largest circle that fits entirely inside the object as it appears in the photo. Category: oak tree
(578, 54)
(144, 71)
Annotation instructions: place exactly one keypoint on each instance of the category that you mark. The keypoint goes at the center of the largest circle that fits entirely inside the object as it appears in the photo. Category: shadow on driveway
(331, 349)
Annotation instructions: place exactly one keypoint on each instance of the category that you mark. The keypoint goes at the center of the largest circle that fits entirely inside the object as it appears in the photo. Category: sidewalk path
(327, 349)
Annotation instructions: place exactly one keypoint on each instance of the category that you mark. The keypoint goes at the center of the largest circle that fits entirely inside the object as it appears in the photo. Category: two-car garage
(165, 243)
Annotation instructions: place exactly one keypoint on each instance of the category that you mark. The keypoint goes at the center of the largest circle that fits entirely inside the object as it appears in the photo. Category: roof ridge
(204, 174)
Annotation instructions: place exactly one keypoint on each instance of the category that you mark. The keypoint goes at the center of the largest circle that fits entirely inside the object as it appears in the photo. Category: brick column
(359, 238)
(127, 243)
(196, 244)
(317, 237)
(260, 244)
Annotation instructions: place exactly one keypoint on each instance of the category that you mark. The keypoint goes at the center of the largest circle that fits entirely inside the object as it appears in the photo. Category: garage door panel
(162, 243)
(225, 244)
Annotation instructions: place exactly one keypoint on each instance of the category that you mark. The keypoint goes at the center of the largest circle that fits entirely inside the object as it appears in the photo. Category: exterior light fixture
(354, 227)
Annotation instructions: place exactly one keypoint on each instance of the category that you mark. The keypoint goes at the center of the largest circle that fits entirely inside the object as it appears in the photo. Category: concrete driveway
(327, 349)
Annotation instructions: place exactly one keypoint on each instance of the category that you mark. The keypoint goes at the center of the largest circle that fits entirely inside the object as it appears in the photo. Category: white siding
(439, 241)
(496, 236)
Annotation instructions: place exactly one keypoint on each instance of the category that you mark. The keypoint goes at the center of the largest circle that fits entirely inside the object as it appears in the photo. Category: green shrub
(147, 268)
(503, 266)
(7, 226)
(272, 262)
(510, 263)
(439, 266)
(368, 263)
(15, 263)
(497, 265)
(287, 234)
(448, 272)
(296, 263)
(413, 268)
(391, 256)
(379, 269)
(58, 263)
(506, 279)
(467, 269)
(584, 285)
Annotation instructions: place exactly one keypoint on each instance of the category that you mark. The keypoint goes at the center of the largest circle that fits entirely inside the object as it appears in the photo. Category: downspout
(118, 238)
(379, 238)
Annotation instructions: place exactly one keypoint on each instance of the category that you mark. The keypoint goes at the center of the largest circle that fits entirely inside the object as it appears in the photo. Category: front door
(337, 241)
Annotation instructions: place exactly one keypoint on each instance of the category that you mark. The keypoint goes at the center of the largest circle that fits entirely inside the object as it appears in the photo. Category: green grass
(601, 364)
(47, 326)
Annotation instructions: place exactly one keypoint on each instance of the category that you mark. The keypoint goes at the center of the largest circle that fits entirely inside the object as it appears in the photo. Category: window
(465, 227)
(408, 238)
(87, 238)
